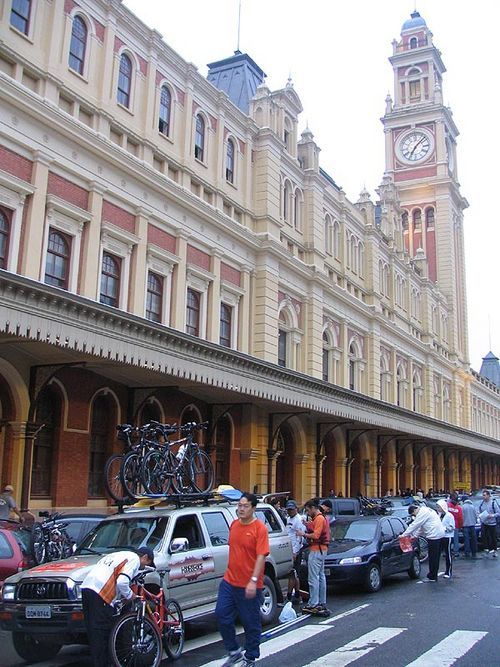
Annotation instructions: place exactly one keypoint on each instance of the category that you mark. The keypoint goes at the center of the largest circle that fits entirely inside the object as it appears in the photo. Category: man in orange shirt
(316, 529)
(240, 591)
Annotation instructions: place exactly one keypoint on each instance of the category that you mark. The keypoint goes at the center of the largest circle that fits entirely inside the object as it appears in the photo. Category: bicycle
(187, 471)
(138, 636)
(49, 540)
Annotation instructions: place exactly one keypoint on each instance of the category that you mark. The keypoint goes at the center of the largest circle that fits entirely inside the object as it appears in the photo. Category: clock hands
(416, 145)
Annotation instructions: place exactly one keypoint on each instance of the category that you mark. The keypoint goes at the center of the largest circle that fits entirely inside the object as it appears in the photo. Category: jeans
(456, 543)
(98, 620)
(434, 558)
(470, 540)
(316, 578)
(231, 602)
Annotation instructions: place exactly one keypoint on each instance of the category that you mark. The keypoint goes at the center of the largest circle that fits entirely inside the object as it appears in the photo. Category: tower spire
(239, 25)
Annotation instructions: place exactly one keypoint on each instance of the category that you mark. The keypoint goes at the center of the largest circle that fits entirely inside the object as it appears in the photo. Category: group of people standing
(441, 529)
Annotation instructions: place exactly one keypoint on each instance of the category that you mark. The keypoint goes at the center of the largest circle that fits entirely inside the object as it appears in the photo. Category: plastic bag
(287, 613)
(405, 542)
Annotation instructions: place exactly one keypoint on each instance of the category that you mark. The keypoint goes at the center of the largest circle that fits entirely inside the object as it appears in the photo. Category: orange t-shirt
(246, 542)
(316, 525)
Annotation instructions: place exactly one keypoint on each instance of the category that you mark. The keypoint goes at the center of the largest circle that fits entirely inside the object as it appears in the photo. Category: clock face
(415, 146)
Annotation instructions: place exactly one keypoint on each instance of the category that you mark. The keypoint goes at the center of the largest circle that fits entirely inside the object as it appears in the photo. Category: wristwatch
(254, 579)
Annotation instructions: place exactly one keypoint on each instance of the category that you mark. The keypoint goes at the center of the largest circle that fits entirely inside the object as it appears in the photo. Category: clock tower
(420, 150)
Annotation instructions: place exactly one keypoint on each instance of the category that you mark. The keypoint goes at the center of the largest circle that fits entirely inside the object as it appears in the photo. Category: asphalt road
(407, 624)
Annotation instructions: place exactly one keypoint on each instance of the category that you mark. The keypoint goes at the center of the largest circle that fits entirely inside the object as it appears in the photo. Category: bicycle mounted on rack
(49, 540)
(151, 623)
(156, 466)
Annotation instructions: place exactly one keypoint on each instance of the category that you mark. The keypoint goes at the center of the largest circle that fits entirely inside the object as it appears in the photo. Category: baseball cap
(327, 503)
(8, 487)
(291, 505)
(147, 551)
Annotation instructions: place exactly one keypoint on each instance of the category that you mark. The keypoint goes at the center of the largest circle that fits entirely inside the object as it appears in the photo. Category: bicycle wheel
(112, 480)
(202, 471)
(135, 642)
(37, 543)
(130, 475)
(182, 481)
(173, 631)
(155, 473)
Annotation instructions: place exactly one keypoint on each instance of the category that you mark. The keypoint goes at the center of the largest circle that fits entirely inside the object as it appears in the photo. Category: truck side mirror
(178, 545)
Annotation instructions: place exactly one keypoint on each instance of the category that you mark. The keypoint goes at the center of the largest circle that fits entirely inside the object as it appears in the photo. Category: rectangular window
(154, 297)
(226, 321)
(58, 259)
(20, 15)
(4, 238)
(326, 358)
(282, 348)
(217, 527)
(110, 280)
(193, 312)
(414, 90)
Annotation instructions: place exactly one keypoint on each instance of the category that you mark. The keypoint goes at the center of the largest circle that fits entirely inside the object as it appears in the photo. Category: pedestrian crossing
(280, 649)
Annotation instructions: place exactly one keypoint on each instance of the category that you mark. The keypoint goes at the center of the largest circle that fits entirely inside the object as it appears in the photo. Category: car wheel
(33, 650)
(414, 571)
(373, 581)
(269, 606)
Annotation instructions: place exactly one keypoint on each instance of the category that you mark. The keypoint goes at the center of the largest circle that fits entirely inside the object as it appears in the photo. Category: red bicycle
(154, 623)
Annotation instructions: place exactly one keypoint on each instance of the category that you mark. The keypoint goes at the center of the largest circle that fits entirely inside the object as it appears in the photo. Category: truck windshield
(122, 533)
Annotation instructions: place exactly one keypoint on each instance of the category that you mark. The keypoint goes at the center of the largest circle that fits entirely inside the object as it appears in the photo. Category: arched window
(287, 134)
(361, 260)
(150, 412)
(287, 194)
(326, 357)
(78, 44)
(100, 430)
(124, 81)
(110, 280)
(165, 107)
(413, 43)
(4, 239)
(57, 262)
(48, 412)
(193, 312)
(154, 297)
(199, 138)
(352, 367)
(417, 391)
(429, 218)
(282, 342)
(417, 219)
(297, 210)
(230, 161)
(328, 235)
(401, 387)
(20, 15)
(404, 220)
(336, 239)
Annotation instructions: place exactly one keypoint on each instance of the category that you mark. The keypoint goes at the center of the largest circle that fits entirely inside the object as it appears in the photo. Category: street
(407, 624)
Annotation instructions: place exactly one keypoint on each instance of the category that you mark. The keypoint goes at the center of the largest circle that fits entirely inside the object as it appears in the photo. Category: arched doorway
(48, 412)
(102, 425)
(285, 445)
(150, 412)
(223, 439)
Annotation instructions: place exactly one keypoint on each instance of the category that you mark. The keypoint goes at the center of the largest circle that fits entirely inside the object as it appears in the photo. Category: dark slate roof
(329, 179)
(490, 368)
(238, 76)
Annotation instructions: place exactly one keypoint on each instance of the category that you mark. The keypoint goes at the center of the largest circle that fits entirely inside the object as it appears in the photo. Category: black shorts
(296, 563)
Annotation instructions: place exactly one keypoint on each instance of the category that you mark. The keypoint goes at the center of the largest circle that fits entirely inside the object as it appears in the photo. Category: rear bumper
(66, 620)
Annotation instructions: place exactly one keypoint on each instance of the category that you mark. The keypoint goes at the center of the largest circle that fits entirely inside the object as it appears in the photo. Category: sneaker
(234, 658)
(247, 662)
(323, 611)
(447, 576)
(307, 609)
(494, 554)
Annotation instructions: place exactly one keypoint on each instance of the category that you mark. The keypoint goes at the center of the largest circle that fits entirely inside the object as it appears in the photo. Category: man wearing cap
(293, 524)
(107, 582)
(8, 504)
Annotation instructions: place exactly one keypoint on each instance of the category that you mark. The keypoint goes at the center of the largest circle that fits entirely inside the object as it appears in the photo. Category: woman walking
(448, 522)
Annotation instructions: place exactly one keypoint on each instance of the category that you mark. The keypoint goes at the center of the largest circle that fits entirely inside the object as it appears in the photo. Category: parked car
(43, 607)
(365, 550)
(78, 526)
(14, 548)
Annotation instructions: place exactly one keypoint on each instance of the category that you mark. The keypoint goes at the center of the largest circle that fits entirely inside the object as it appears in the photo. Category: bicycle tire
(181, 478)
(155, 473)
(112, 479)
(131, 475)
(173, 637)
(128, 649)
(37, 543)
(202, 471)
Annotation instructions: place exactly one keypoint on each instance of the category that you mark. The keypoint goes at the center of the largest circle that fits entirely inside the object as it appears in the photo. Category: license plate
(327, 571)
(40, 611)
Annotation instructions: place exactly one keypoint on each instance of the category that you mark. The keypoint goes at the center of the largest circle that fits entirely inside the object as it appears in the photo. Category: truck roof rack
(176, 500)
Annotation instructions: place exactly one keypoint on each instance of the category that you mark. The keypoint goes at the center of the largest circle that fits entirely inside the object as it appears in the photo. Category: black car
(366, 549)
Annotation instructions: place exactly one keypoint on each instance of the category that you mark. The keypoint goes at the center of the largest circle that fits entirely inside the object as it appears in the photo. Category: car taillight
(22, 565)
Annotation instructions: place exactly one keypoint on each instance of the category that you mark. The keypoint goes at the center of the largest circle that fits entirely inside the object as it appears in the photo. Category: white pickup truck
(42, 606)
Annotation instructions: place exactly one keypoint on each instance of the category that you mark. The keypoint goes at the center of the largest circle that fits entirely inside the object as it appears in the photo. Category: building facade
(171, 248)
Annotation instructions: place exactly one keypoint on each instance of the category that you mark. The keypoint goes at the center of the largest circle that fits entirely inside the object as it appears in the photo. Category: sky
(336, 52)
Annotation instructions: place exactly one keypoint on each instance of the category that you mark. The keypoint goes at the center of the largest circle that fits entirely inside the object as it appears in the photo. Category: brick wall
(15, 164)
(70, 192)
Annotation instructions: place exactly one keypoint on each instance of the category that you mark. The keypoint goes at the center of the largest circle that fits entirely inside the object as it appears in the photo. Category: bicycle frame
(159, 614)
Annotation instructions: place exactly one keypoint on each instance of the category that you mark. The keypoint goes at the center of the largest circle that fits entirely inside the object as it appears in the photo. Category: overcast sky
(336, 53)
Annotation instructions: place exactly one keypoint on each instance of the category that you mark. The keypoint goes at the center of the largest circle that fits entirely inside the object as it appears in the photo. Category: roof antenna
(239, 25)
(489, 330)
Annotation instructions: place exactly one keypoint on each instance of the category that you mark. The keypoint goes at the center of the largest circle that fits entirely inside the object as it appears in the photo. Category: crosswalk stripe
(283, 642)
(332, 619)
(449, 650)
(356, 649)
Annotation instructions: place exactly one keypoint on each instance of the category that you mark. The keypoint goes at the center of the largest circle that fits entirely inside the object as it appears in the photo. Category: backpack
(326, 536)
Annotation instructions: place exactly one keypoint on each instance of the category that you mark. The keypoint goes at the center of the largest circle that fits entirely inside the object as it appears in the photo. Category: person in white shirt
(106, 582)
(428, 524)
(293, 524)
(448, 522)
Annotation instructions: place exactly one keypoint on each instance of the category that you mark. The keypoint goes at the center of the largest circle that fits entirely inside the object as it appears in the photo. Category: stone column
(178, 311)
(244, 308)
(138, 269)
(91, 251)
(31, 256)
(213, 312)
(18, 474)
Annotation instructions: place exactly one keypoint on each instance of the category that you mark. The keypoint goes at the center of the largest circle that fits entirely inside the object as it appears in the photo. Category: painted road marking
(356, 649)
(448, 651)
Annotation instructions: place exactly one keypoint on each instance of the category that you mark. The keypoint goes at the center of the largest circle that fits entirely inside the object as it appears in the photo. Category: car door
(217, 527)
(191, 580)
(387, 547)
(402, 560)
